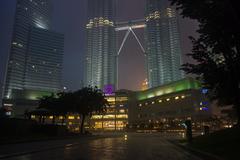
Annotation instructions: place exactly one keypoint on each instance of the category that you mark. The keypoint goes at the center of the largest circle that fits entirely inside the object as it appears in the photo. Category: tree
(56, 105)
(88, 100)
(84, 102)
(217, 49)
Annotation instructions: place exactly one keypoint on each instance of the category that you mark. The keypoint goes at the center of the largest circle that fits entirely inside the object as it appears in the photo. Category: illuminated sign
(108, 89)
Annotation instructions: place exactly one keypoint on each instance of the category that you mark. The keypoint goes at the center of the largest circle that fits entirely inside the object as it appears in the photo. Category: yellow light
(168, 99)
(109, 116)
(153, 102)
(125, 137)
(60, 117)
(160, 101)
(122, 111)
(71, 117)
(122, 116)
(70, 123)
(97, 117)
(140, 105)
(33, 116)
(183, 97)
(176, 98)
(50, 117)
(110, 99)
(121, 99)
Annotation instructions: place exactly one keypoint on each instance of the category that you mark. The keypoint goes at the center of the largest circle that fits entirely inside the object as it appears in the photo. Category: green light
(185, 84)
(150, 96)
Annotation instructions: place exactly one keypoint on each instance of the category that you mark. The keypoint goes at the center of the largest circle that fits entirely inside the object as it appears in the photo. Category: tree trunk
(82, 124)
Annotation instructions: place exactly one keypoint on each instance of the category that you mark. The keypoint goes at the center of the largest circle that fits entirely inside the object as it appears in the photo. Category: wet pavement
(111, 147)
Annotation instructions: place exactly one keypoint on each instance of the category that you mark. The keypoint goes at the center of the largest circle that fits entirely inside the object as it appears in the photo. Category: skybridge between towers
(129, 27)
(134, 24)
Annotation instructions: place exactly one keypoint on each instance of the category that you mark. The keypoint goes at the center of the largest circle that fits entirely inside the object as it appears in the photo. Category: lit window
(96, 117)
(71, 117)
(108, 116)
(122, 111)
(122, 116)
(20, 45)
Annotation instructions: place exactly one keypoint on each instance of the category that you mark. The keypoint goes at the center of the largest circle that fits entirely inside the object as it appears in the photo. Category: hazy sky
(69, 17)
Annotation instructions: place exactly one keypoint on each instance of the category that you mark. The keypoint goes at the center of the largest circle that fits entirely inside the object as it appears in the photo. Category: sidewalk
(201, 154)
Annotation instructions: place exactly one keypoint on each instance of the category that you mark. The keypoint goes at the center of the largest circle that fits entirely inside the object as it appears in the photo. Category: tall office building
(35, 59)
(100, 57)
(163, 58)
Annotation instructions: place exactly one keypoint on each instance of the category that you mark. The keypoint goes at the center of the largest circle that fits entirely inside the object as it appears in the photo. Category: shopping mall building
(160, 108)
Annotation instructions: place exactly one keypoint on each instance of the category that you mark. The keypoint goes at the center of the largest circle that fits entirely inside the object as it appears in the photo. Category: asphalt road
(117, 147)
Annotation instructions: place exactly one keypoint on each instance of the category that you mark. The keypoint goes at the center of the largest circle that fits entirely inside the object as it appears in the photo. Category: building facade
(36, 54)
(116, 116)
(163, 108)
(163, 48)
(100, 58)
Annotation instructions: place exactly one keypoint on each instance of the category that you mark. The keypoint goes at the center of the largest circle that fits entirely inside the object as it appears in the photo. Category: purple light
(108, 89)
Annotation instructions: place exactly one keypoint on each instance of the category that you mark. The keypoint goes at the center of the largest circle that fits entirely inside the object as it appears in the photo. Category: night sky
(69, 17)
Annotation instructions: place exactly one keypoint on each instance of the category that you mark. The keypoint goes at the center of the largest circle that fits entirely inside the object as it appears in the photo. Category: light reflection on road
(125, 146)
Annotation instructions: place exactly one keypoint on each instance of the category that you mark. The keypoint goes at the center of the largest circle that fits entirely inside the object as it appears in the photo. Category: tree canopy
(83, 102)
(217, 49)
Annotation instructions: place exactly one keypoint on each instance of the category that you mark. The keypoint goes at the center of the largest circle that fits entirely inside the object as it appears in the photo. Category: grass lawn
(224, 143)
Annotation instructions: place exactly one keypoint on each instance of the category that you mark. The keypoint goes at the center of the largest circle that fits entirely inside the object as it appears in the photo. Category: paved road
(121, 147)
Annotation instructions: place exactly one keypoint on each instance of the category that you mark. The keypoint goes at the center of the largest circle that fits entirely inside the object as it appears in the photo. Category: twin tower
(162, 43)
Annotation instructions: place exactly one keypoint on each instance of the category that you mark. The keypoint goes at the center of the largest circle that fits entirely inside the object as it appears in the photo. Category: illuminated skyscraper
(100, 57)
(163, 58)
(35, 59)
